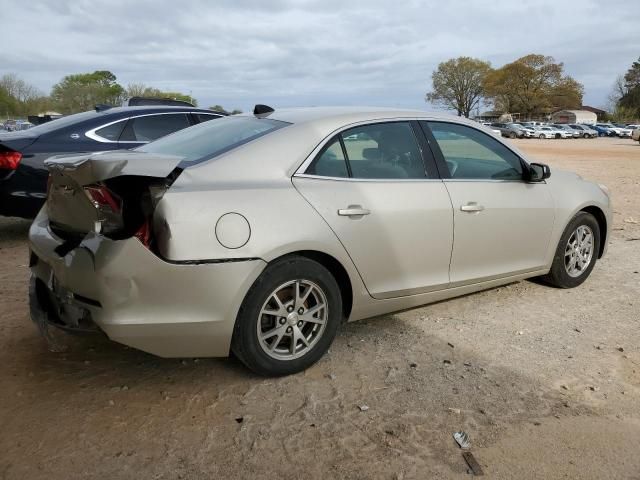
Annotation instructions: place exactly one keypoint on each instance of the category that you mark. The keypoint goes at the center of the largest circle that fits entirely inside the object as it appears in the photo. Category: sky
(284, 53)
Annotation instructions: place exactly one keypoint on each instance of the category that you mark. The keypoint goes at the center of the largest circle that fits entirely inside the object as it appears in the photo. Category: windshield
(62, 122)
(210, 139)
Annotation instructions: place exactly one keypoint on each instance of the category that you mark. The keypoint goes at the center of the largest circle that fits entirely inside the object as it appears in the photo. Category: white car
(567, 128)
(550, 132)
(529, 132)
(621, 130)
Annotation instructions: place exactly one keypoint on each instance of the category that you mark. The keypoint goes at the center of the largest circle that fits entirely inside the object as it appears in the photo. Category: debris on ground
(446, 362)
(239, 419)
(462, 438)
(363, 408)
(475, 467)
(413, 365)
(454, 410)
(630, 220)
(450, 344)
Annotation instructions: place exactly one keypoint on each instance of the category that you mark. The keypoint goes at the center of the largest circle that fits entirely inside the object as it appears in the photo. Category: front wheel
(541, 137)
(512, 135)
(289, 317)
(576, 253)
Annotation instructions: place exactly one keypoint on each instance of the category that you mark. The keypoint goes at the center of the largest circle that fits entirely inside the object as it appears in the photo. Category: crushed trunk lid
(113, 193)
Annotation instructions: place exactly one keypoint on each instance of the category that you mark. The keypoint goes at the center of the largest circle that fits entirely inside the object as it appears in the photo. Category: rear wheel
(541, 137)
(576, 253)
(512, 135)
(288, 318)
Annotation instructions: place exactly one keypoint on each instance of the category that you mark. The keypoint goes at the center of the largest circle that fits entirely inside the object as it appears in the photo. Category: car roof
(346, 115)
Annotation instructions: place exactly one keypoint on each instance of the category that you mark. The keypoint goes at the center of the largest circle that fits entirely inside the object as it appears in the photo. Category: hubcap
(578, 252)
(303, 306)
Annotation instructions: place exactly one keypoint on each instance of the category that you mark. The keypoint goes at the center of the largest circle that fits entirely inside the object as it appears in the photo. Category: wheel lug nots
(289, 329)
(282, 320)
(289, 309)
(300, 323)
(300, 311)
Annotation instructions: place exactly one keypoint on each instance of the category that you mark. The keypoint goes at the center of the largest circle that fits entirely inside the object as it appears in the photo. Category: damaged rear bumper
(135, 297)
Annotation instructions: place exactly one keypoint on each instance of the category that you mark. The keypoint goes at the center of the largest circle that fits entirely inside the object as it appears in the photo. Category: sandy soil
(546, 382)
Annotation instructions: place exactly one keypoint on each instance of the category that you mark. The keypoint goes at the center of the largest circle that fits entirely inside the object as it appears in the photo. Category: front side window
(472, 154)
(376, 151)
(152, 127)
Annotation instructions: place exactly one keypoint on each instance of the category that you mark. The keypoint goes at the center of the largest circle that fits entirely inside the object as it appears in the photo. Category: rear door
(389, 209)
(502, 223)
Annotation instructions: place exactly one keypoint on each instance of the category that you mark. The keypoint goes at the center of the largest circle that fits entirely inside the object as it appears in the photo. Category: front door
(502, 222)
(392, 214)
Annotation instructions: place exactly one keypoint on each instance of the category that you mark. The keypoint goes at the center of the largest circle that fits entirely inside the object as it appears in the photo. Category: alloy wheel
(292, 319)
(578, 252)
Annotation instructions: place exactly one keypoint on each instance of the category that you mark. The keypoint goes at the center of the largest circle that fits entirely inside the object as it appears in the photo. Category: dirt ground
(546, 382)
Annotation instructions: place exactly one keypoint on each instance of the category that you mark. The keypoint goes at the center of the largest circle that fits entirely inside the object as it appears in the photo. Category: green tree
(533, 84)
(9, 106)
(629, 102)
(220, 108)
(457, 84)
(82, 91)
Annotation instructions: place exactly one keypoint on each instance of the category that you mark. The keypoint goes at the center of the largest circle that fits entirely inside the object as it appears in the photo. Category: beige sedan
(261, 234)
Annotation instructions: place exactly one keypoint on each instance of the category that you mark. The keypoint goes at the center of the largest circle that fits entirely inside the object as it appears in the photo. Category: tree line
(531, 85)
(77, 93)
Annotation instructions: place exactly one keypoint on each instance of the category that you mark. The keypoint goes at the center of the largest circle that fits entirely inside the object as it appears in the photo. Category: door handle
(472, 207)
(353, 211)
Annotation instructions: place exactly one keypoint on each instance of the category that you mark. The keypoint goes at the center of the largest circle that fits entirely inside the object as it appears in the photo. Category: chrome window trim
(366, 180)
(94, 136)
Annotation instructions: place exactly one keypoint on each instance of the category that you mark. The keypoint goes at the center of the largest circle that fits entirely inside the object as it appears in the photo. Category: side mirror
(539, 172)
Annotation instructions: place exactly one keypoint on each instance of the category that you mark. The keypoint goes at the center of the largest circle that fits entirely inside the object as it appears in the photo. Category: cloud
(310, 52)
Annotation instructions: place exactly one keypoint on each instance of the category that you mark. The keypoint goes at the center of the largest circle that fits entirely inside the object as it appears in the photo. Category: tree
(220, 108)
(457, 84)
(629, 101)
(533, 84)
(82, 91)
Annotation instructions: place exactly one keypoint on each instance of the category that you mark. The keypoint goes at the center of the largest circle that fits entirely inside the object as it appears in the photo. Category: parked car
(635, 135)
(586, 131)
(567, 128)
(622, 130)
(546, 132)
(261, 234)
(529, 132)
(557, 132)
(508, 129)
(603, 130)
(23, 177)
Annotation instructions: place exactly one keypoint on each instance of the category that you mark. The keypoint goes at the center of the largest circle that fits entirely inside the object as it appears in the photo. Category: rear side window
(209, 139)
(152, 127)
(111, 132)
(331, 162)
(376, 151)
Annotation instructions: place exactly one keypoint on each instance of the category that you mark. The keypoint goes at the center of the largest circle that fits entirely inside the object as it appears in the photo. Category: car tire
(562, 275)
(512, 135)
(279, 280)
(541, 136)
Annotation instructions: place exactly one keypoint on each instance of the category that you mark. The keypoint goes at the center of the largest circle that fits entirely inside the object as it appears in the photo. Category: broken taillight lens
(10, 160)
(102, 197)
(144, 233)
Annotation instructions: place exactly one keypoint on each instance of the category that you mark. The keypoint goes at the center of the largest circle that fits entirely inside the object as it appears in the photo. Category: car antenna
(262, 111)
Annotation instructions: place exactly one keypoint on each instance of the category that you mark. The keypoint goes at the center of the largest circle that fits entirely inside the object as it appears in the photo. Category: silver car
(261, 234)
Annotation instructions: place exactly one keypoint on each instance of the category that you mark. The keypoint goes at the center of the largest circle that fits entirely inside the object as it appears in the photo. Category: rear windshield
(62, 122)
(210, 139)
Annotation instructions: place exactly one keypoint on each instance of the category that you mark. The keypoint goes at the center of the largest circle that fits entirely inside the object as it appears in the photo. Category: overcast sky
(311, 52)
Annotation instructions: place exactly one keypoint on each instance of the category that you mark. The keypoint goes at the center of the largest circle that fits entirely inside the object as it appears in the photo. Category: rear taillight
(144, 233)
(10, 160)
(103, 198)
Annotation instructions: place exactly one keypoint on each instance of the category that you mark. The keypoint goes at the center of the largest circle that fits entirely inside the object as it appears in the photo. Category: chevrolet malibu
(261, 234)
